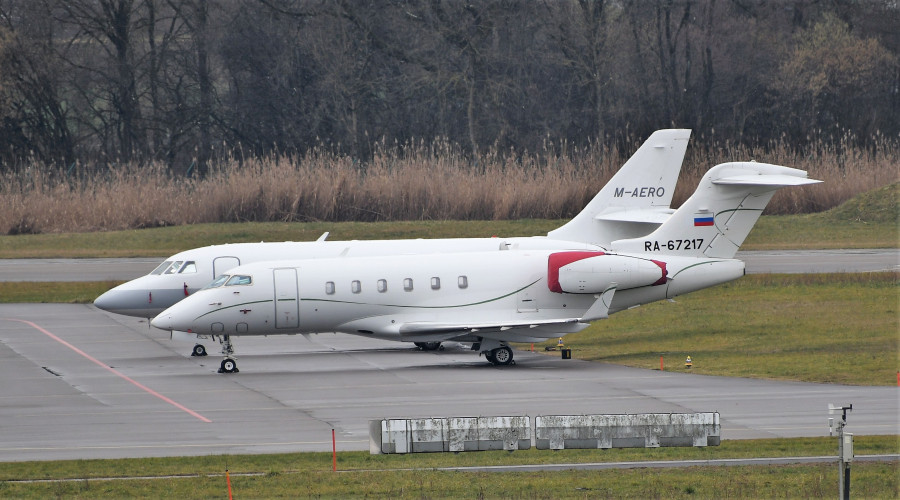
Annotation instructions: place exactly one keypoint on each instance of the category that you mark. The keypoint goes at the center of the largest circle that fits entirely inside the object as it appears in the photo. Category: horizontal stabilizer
(648, 216)
(765, 180)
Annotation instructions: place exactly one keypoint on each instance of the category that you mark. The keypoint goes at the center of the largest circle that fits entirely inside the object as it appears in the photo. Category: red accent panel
(560, 259)
(665, 272)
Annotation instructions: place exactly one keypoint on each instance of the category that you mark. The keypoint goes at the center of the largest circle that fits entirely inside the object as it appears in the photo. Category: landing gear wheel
(489, 355)
(199, 350)
(428, 346)
(501, 356)
(228, 366)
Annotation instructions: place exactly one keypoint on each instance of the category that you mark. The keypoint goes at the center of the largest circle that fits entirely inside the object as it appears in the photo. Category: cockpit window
(190, 267)
(173, 269)
(239, 279)
(162, 267)
(218, 282)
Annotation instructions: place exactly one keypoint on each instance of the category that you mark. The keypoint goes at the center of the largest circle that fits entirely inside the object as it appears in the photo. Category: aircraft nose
(113, 301)
(178, 317)
(163, 321)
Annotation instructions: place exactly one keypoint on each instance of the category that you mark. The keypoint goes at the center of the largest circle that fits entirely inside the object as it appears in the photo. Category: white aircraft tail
(637, 198)
(717, 218)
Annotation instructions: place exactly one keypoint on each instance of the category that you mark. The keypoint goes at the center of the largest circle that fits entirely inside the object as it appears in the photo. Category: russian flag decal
(703, 221)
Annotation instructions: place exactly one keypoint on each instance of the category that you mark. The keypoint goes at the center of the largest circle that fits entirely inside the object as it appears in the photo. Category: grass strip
(796, 232)
(309, 474)
(831, 328)
(869, 480)
(53, 292)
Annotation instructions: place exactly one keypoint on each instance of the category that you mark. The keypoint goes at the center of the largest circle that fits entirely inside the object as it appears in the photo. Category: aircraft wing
(599, 310)
(450, 330)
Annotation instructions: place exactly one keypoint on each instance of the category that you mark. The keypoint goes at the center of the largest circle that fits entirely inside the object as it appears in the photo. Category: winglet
(600, 308)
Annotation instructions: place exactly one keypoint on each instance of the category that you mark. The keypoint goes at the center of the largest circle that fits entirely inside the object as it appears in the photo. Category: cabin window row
(382, 285)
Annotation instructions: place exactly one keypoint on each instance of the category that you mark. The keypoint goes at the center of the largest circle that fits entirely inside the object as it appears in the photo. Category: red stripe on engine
(665, 272)
(560, 259)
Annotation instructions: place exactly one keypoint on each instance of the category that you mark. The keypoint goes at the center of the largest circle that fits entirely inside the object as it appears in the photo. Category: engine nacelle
(593, 272)
(704, 275)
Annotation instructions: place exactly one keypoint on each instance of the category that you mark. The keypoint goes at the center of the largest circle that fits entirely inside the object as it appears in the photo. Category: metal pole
(847, 482)
(843, 494)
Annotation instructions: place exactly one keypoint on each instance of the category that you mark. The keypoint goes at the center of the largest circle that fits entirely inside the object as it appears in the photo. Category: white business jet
(490, 298)
(634, 202)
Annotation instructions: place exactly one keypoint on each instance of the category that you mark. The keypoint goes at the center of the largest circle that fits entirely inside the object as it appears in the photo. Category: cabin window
(355, 286)
(408, 284)
(329, 287)
(162, 267)
(190, 267)
(218, 282)
(435, 283)
(463, 282)
(239, 279)
(382, 286)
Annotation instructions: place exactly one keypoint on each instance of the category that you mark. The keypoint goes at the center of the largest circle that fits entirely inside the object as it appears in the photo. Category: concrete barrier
(556, 432)
(644, 430)
(454, 434)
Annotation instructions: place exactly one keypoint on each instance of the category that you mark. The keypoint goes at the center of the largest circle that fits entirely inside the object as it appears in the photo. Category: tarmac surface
(778, 261)
(81, 383)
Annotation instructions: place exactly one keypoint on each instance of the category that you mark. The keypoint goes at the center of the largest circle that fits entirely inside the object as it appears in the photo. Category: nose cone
(130, 302)
(163, 321)
(144, 297)
(179, 317)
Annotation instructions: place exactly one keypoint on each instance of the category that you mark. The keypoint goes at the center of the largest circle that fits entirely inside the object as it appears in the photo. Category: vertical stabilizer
(717, 218)
(636, 200)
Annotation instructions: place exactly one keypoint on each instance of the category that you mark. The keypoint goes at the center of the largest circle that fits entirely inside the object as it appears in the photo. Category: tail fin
(636, 200)
(717, 218)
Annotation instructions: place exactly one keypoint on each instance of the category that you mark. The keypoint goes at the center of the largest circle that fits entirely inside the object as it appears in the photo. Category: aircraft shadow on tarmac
(345, 360)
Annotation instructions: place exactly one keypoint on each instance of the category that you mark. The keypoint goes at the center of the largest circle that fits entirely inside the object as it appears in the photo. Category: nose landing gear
(229, 365)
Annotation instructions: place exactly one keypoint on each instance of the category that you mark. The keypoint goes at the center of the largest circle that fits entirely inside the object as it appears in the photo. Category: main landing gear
(497, 353)
(229, 365)
(428, 346)
(198, 350)
(500, 356)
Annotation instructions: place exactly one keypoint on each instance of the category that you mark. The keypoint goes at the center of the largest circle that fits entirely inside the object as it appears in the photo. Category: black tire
(502, 356)
(489, 355)
(228, 366)
(430, 346)
(199, 350)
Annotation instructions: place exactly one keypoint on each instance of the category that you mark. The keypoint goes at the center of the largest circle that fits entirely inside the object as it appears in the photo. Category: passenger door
(223, 264)
(287, 303)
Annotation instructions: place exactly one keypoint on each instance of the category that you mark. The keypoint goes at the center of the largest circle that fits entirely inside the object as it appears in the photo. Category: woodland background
(169, 94)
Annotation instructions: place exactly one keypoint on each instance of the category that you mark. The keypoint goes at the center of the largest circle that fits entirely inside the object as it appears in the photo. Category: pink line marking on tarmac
(114, 371)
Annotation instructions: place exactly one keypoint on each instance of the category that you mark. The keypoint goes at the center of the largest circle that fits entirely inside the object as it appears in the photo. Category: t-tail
(717, 218)
(636, 200)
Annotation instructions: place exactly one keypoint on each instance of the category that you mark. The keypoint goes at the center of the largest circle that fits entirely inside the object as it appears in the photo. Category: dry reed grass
(402, 182)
